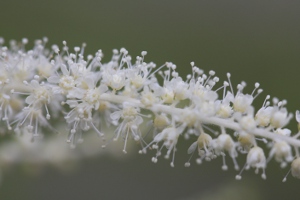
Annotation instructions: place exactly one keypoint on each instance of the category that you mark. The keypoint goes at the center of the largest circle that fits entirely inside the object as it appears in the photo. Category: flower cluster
(42, 87)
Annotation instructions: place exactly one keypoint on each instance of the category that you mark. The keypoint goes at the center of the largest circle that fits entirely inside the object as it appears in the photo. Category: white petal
(158, 137)
(72, 103)
(64, 70)
(53, 79)
(102, 88)
(90, 83)
(34, 84)
(192, 148)
(116, 115)
(29, 99)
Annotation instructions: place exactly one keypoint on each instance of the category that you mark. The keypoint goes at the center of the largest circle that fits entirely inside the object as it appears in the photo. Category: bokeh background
(257, 41)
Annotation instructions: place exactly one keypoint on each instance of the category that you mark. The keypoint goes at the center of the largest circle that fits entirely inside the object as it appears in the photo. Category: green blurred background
(254, 40)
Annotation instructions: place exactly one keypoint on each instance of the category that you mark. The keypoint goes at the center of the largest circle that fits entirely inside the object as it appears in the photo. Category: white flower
(168, 95)
(246, 140)
(180, 88)
(169, 137)
(23, 68)
(65, 82)
(79, 116)
(8, 106)
(242, 102)
(4, 76)
(92, 93)
(263, 116)
(175, 89)
(282, 153)
(41, 94)
(248, 123)
(148, 98)
(280, 118)
(224, 142)
(208, 108)
(130, 124)
(204, 141)
(116, 79)
(256, 158)
(44, 67)
(161, 121)
(30, 119)
(201, 93)
(138, 74)
(224, 110)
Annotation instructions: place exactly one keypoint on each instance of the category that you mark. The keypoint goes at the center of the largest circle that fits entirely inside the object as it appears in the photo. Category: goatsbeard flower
(41, 88)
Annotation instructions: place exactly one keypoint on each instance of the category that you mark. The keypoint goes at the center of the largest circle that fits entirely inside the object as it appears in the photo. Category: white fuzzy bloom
(41, 94)
(242, 102)
(92, 93)
(282, 152)
(256, 158)
(225, 143)
(148, 98)
(280, 118)
(263, 116)
(169, 136)
(161, 121)
(115, 79)
(248, 123)
(204, 142)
